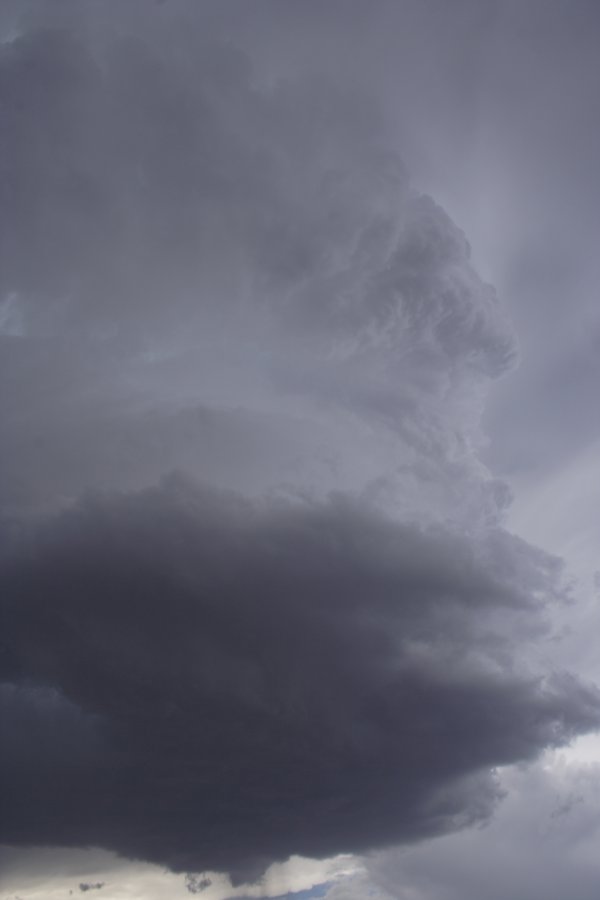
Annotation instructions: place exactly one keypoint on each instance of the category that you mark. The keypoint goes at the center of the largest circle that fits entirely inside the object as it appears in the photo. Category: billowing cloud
(183, 237)
(320, 639)
(272, 679)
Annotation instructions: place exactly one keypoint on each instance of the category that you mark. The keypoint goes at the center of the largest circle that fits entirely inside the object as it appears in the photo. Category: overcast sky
(299, 462)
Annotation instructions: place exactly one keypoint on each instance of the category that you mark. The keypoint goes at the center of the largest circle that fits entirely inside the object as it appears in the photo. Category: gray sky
(298, 467)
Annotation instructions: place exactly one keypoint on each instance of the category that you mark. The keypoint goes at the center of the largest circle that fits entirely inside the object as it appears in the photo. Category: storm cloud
(258, 594)
(185, 245)
(271, 680)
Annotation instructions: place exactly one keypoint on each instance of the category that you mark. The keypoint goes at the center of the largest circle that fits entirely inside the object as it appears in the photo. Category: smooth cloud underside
(206, 268)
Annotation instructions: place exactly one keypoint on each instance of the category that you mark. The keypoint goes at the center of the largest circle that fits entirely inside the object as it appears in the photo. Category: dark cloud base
(237, 682)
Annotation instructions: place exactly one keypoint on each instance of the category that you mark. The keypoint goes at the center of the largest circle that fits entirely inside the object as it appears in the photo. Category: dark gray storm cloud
(268, 679)
(320, 639)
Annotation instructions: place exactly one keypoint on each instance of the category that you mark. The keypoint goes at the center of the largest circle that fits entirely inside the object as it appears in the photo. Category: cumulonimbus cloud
(318, 640)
